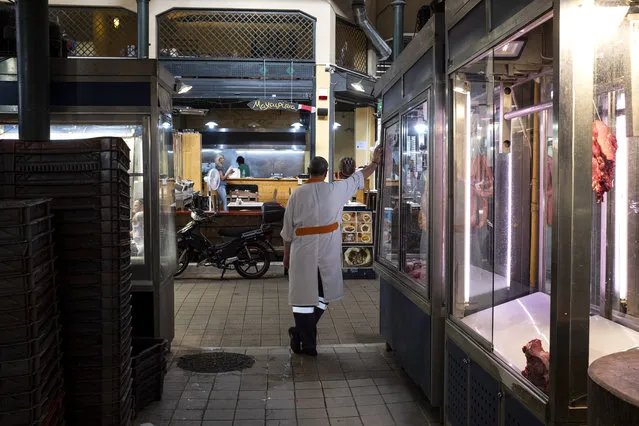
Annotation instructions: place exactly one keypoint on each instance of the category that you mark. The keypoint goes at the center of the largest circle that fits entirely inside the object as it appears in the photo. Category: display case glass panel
(389, 222)
(133, 136)
(502, 171)
(415, 194)
(167, 198)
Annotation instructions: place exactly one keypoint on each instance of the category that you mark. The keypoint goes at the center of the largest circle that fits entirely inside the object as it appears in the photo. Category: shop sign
(276, 105)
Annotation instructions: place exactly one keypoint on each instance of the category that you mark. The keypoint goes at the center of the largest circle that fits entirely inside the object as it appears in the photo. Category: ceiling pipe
(34, 72)
(361, 18)
(398, 27)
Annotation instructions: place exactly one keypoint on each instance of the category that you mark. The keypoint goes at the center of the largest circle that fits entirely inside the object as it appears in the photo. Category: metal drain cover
(215, 362)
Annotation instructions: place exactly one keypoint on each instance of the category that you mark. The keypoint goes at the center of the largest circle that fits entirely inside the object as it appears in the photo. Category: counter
(266, 187)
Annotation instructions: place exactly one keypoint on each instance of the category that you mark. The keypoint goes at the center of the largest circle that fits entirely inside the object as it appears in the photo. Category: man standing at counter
(313, 247)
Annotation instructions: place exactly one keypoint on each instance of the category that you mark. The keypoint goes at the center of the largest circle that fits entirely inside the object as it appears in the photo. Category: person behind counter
(221, 190)
(245, 171)
(137, 224)
(313, 247)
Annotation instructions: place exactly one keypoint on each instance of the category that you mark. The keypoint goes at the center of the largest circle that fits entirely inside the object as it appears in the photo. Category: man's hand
(287, 261)
(378, 154)
(287, 254)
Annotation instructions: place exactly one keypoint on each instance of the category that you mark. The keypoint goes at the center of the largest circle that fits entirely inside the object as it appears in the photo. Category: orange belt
(315, 230)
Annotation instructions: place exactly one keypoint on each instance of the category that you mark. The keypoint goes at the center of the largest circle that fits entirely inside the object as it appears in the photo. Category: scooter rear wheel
(183, 259)
(253, 261)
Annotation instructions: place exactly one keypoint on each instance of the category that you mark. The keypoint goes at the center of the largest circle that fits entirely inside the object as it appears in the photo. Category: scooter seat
(233, 232)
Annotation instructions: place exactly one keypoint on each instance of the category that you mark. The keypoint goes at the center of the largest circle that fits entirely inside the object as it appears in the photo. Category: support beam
(32, 19)
(143, 29)
(398, 28)
(324, 124)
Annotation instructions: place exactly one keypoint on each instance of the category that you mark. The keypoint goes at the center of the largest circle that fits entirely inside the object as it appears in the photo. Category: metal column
(143, 29)
(32, 19)
(398, 28)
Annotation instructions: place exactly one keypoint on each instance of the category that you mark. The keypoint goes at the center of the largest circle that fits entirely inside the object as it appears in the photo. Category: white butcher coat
(317, 204)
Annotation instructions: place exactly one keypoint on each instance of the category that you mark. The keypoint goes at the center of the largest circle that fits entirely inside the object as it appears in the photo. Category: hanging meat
(548, 183)
(604, 148)
(481, 179)
(537, 364)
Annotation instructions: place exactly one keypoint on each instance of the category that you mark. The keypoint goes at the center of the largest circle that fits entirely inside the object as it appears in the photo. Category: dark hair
(318, 167)
(240, 160)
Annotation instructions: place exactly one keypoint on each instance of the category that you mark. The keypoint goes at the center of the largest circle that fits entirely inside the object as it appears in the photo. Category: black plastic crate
(90, 241)
(54, 416)
(65, 146)
(26, 231)
(105, 392)
(20, 283)
(29, 314)
(19, 212)
(27, 366)
(66, 230)
(96, 374)
(59, 173)
(115, 252)
(96, 266)
(22, 401)
(122, 345)
(77, 190)
(70, 202)
(94, 215)
(25, 383)
(33, 416)
(119, 414)
(30, 331)
(11, 250)
(100, 288)
(70, 301)
(148, 353)
(147, 390)
(99, 332)
(26, 264)
(30, 348)
(104, 314)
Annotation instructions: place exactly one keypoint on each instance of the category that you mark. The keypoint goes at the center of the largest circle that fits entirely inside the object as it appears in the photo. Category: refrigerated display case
(131, 100)
(542, 205)
(409, 255)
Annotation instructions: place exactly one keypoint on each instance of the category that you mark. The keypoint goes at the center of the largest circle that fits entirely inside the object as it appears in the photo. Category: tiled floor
(345, 385)
(353, 381)
(238, 312)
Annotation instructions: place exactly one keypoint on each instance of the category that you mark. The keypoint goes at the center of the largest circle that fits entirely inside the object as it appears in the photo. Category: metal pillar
(398, 28)
(143, 29)
(32, 20)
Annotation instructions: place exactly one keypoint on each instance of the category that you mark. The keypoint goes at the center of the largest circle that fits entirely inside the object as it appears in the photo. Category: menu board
(357, 239)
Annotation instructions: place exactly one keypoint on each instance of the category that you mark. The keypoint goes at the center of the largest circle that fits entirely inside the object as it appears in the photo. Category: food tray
(148, 353)
(26, 231)
(32, 416)
(26, 264)
(20, 283)
(105, 289)
(59, 173)
(29, 314)
(21, 401)
(30, 331)
(27, 366)
(19, 212)
(30, 348)
(148, 390)
(11, 250)
(54, 191)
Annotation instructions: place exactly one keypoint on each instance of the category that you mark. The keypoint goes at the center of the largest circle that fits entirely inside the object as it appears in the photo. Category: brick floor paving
(353, 380)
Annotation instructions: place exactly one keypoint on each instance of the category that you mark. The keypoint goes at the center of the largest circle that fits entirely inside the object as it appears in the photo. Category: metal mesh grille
(236, 34)
(351, 47)
(97, 31)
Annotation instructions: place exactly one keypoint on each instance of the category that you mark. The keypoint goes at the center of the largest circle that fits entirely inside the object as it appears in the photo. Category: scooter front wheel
(183, 259)
(253, 261)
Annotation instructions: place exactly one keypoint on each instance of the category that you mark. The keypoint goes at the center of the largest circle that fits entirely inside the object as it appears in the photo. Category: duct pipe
(359, 11)
(32, 22)
(143, 29)
(398, 27)
(527, 111)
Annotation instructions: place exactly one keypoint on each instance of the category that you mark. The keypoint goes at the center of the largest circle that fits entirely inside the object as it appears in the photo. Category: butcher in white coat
(313, 247)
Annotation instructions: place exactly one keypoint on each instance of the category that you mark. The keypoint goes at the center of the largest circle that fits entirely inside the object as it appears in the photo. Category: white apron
(314, 205)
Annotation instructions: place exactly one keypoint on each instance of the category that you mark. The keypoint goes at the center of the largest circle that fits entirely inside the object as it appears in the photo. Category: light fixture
(211, 125)
(166, 125)
(459, 90)
(181, 87)
(358, 86)
(116, 22)
(510, 50)
(336, 126)
(297, 125)
(420, 128)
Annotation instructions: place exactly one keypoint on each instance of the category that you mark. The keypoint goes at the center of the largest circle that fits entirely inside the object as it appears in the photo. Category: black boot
(296, 345)
(305, 328)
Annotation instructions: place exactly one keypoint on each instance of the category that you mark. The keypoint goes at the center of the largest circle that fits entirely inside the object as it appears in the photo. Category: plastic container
(19, 283)
(26, 264)
(114, 213)
(97, 374)
(19, 212)
(101, 288)
(29, 366)
(96, 253)
(26, 231)
(105, 392)
(18, 190)
(70, 301)
(122, 345)
(70, 202)
(118, 414)
(29, 314)
(32, 416)
(55, 413)
(148, 353)
(30, 331)
(147, 390)
(58, 173)
(66, 230)
(25, 400)
(28, 248)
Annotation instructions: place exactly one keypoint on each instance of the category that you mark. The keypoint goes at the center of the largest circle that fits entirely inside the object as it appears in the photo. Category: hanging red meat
(604, 148)
(537, 364)
(481, 179)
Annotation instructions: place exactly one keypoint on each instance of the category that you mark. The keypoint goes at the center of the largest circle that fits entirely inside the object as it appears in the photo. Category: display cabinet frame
(118, 92)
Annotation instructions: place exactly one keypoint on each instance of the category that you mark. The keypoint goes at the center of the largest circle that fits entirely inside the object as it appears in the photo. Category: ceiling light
(181, 87)
(166, 125)
(420, 128)
(358, 86)
(460, 90)
(510, 50)
(336, 126)
(297, 125)
(116, 22)
(211, 124)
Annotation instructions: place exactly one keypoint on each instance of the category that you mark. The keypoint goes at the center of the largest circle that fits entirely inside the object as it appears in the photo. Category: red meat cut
(537, 364)
(604, 148)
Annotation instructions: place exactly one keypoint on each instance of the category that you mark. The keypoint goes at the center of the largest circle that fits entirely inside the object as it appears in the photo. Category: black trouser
(307, 317)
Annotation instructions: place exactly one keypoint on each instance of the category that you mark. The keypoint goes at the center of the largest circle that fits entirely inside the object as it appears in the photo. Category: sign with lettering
(271, 104)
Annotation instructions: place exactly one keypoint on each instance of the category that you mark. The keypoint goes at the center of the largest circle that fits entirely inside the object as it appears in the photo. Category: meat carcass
(537, 364)
(481, 177)
(604, 148)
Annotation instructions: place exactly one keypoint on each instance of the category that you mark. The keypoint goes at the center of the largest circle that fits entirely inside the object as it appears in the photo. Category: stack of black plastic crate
(88, 182)
(30, 357)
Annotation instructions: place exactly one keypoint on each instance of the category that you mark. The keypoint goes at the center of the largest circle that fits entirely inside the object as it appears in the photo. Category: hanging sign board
(271, 105)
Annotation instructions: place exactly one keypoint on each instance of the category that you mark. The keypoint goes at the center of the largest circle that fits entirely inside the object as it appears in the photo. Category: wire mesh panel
(97, 31)
(215, 34)
(351, 47)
